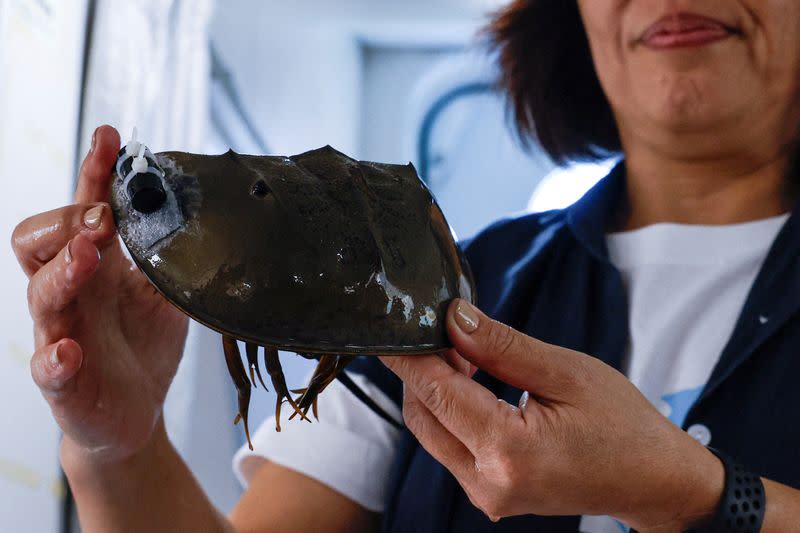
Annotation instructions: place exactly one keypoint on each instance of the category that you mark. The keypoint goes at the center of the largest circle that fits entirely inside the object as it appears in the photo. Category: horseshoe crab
(317, 253)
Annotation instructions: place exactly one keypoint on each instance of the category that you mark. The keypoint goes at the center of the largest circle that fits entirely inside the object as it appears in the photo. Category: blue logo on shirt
(680, 402)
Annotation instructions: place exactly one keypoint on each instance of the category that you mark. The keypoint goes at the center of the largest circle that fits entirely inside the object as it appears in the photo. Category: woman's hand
(582, 441)
(106, 344)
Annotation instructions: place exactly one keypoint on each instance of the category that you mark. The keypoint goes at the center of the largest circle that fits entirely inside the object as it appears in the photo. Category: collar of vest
(590, 217)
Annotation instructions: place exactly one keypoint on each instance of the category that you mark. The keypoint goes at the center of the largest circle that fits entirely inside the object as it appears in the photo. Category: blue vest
(548, 275)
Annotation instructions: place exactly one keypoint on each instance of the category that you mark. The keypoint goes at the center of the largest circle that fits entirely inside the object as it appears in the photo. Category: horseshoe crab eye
(260, 189)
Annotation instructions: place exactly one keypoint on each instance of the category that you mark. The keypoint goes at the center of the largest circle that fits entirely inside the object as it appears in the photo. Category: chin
(689, 104)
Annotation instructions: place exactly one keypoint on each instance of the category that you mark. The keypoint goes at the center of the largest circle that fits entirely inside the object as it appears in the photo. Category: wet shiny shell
(316, 252)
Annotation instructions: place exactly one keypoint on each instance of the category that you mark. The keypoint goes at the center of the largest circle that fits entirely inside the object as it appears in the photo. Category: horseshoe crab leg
(252, 363)
(275, 371)
(341, 362)
(234, 360)
(327, 369)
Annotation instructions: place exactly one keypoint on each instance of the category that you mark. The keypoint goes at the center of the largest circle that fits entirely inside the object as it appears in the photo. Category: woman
(679, 269)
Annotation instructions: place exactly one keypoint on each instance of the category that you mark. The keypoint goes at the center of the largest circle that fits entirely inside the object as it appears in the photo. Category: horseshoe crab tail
(234, 360)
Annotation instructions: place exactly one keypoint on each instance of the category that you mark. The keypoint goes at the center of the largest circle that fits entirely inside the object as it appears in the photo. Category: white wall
(40, 58)
(298, 64)
(387, 131)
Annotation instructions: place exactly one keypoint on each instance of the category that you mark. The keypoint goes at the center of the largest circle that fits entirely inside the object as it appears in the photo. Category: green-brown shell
(312, 253)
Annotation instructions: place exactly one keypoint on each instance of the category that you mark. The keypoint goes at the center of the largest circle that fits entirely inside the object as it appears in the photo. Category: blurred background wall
(379, 80)
(40, 84)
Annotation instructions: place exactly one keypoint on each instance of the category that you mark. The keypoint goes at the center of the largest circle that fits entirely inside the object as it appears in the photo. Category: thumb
(513, 357)
(94, 178)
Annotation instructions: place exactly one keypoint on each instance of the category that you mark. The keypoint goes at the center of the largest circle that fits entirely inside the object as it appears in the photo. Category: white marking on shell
(428, 318)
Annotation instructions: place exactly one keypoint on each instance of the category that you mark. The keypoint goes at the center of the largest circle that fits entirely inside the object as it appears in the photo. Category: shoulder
(515, 252)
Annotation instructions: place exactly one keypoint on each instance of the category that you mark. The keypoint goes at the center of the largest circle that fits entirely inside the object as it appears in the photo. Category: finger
(94, 179)
(57, 369)
(38, 239)
(454, 359)
(461, 405)
(56, 285)
(511, 356)
(54, 366)
(440, 443)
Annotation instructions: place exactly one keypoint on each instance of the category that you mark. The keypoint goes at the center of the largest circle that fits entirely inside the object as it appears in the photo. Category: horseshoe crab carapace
(316, 253)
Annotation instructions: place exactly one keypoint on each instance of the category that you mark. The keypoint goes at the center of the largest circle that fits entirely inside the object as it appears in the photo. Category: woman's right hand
(107, 345)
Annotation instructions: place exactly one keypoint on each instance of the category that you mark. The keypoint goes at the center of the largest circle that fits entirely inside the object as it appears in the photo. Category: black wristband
(741, 508)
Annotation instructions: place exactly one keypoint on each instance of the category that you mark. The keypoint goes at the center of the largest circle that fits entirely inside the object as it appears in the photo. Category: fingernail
(93, 216)
(466, 316)
(55, 357)
(94, 141)
(523, 400)
(68, 253)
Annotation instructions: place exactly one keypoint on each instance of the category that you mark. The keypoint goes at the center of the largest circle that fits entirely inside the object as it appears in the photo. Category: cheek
(780, 25)
(776, 47)
(603, 21)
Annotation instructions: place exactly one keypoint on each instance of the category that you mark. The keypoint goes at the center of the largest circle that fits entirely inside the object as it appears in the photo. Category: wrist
(690, 488)
(84, 464)
(704, 492)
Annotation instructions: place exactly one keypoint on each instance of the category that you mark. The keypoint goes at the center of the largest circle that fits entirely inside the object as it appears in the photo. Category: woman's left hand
(582, 441)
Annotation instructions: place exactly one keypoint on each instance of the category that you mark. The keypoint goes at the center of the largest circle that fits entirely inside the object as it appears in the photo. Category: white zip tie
(132, 148)
(139, 152)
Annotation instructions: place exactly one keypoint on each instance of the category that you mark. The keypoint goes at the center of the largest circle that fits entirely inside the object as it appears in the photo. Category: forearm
(152, 491)
(781, 512)
(783, 507)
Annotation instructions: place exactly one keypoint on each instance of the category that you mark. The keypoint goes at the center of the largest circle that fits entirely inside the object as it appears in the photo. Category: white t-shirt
(686, 287)
(350, 448)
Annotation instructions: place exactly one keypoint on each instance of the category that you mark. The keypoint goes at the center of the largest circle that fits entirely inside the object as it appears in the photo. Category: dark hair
(549, 76)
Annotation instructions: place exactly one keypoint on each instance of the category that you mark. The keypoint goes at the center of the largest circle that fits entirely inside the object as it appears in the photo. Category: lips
(683, 30)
